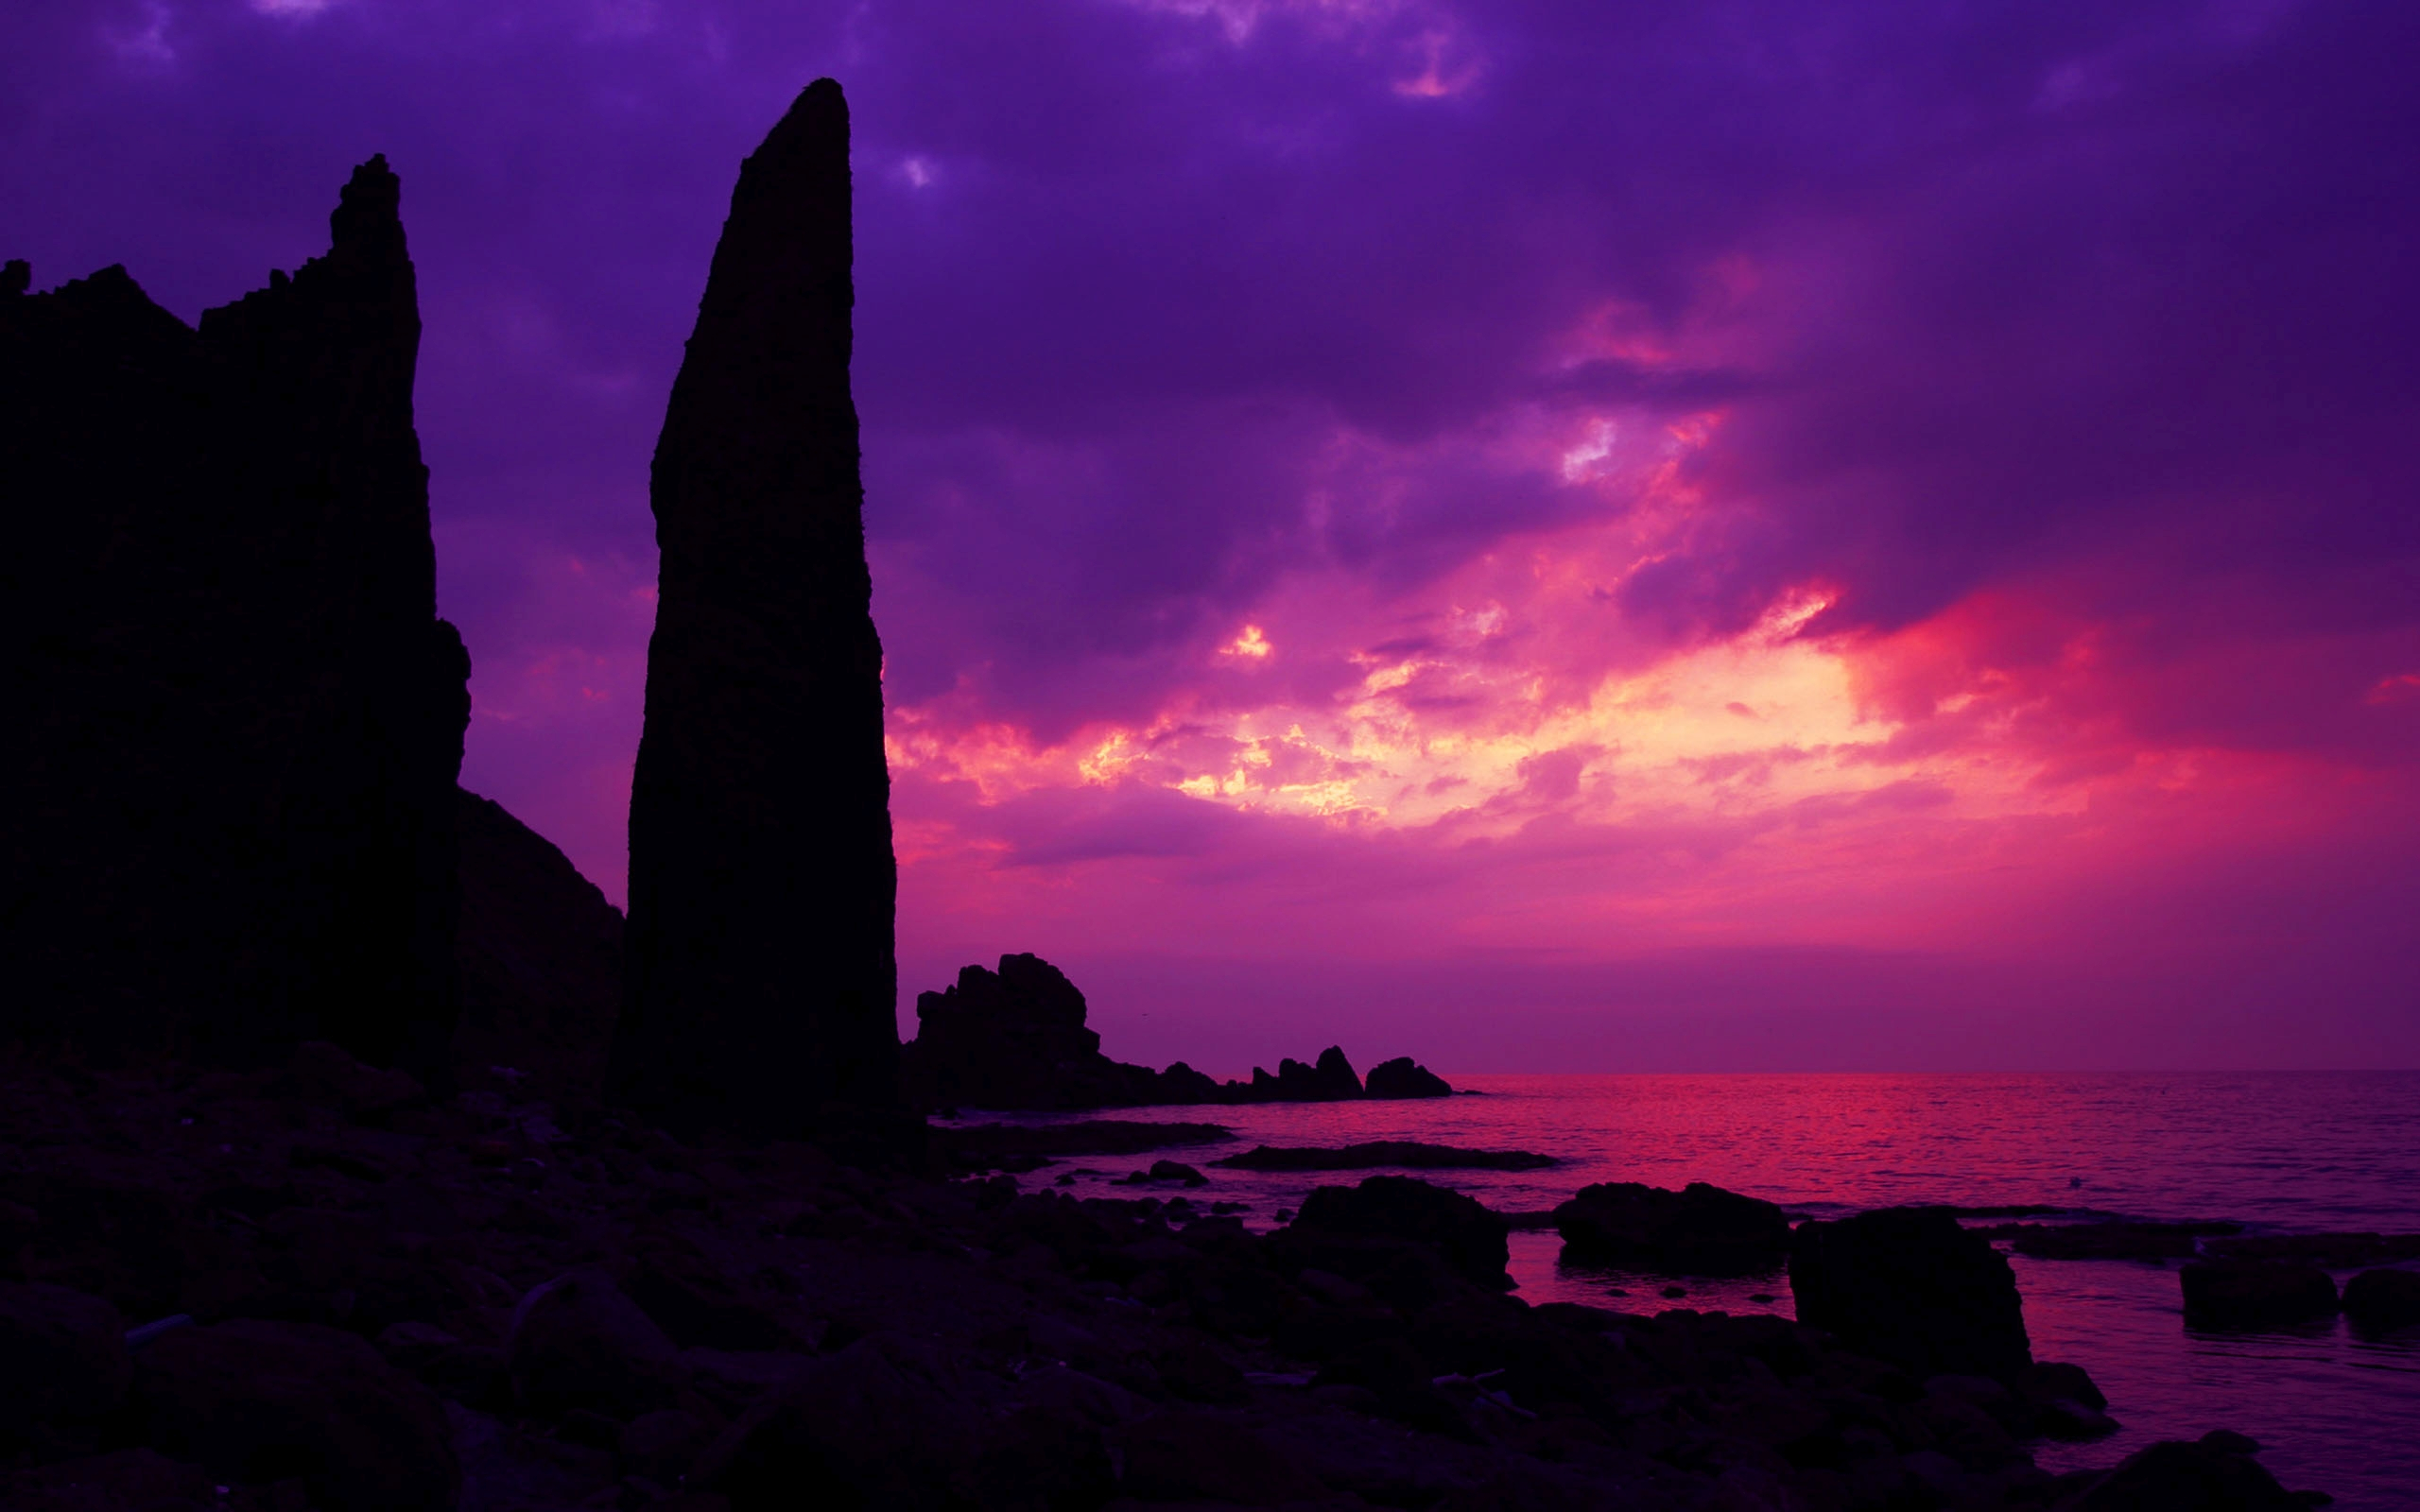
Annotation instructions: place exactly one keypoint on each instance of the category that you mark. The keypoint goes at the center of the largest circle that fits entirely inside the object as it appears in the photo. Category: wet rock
(227, 677)
(1194, 1457)
(1470, 1239)
(2252, 1292)
(264, 1401)
(2177, 1476)
(1410, 1155)
(1177, 1171)
(2383, 1298)
(762, 977)
(1699, 1230)
(578, 1342)
(1405, 1077)
(1909, 1286)
(63, 1355)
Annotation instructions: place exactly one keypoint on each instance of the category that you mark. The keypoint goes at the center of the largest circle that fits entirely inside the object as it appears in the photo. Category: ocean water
(2279, 1152)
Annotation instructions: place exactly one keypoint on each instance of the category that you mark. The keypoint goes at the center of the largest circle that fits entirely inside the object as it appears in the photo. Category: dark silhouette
(1698, 1230)
(235, 718)
(1909, 1285)
(1015, 1039)
(541, 953)
(761, 977)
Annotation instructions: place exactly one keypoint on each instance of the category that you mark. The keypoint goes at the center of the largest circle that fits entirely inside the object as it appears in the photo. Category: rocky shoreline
(315, 1286)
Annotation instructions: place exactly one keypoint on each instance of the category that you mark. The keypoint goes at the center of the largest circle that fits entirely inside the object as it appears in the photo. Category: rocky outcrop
(1405, 1077)
(540, 953)
(2382, 1299)
(1354, 1230)
(1015, 1039)
(761, 970)
(1699, 1230)
(1407, 1154)
(2254, 1293)
(235, 718)
(1909, 1285)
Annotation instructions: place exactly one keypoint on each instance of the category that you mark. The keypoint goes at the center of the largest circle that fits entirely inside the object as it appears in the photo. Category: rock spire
(237, 718)
(761, 982)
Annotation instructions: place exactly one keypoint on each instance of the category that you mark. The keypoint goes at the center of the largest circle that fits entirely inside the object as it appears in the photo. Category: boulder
(226, 676)
(762, 978)
(1404, 1077)
(1403, 1209)
(1908, 1285)
(2383, 1298)
(578, 1342)
(265, 1402)
(849, 1429)
(1411, 1155)
(2179, 1476)
(1699, 1230)
(63, 1355)
(2256, 1293)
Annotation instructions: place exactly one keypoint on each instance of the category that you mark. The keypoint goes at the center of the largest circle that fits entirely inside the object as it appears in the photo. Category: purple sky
(1542, 535)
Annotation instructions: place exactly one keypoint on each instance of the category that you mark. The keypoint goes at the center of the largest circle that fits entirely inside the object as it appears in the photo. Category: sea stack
(235, 718)
(762, 980)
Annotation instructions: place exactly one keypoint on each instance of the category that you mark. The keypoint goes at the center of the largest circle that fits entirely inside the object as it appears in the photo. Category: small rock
(2182, 1477)
(663, 1445)
(2254, 1293)
(130, 1480)
(1177, 1171)
(1191, 1457)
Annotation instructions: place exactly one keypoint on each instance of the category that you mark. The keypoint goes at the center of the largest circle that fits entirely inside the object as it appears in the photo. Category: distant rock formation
(235, 717)
(762, 983)
(1015, 1039)
(541, 956)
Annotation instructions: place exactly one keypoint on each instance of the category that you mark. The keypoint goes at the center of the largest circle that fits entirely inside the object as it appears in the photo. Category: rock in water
(762, 979)
(224, 671)
(1701, 1230)
(1909, 1285)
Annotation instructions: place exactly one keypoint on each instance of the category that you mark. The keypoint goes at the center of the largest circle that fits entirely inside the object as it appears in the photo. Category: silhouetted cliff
(761, 974)
(540, 954)
(235, 718)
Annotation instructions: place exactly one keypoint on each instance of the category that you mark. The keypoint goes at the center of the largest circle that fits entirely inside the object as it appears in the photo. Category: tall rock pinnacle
(237, 718)
(762, 979)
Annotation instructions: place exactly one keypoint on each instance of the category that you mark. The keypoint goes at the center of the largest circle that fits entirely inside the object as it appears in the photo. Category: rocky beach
(356, 1155)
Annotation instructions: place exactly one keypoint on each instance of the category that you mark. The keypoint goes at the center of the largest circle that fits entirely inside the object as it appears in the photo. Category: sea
(2287, 1152)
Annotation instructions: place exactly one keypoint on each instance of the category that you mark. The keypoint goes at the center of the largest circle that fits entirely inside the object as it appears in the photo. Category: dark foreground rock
(1909, 1285)
(264, 1401)
(62, 1356)
(2383, 1298)
(1699, 1230)
(761, 968)
(2254, 1293)
(223, 669)
(2215, 1474)
(1016, 1147)
(604, 1314)
(1408, 1155)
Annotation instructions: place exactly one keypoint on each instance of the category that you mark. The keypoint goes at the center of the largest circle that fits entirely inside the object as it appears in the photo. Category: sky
(1541, 536)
